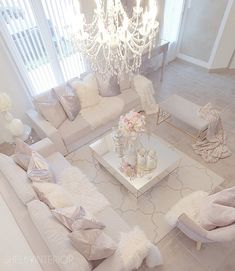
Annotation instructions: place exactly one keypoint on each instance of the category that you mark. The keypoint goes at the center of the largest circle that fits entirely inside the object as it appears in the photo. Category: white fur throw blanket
(109, 108)
(189, 205)
(213, 147)
(145, 90)
(84, 193)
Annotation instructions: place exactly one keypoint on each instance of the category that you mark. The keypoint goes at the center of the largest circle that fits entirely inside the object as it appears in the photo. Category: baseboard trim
(193, 60)
(222, 70)
(218, 70)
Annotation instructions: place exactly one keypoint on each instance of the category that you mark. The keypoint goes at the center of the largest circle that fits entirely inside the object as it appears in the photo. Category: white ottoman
(184, 115)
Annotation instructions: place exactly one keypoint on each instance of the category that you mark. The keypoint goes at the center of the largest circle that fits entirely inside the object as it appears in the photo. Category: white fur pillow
(87, 90)
(189, 205)
(53, 195)
(154, 257)
(133, 248)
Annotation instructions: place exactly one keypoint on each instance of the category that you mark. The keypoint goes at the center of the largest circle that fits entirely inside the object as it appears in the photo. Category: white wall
(232, 63)
(12, 84)
(202, 23)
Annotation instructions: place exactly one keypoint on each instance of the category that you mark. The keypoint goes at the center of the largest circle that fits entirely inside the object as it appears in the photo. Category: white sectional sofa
(71, 135)
(48, 238)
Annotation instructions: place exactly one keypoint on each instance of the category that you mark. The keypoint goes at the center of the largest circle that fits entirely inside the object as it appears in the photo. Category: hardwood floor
(201, 87)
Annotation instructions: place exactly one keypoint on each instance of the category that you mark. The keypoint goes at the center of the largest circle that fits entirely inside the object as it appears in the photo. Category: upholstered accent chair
(196, 232)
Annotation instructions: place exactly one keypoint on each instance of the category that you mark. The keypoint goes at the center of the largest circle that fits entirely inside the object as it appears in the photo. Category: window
(172, 21)
(38, 31)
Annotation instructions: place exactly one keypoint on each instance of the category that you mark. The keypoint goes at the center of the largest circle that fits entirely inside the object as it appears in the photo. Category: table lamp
(15, 126)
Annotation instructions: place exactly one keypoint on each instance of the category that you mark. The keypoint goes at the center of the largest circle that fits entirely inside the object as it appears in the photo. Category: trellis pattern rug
(148, 211)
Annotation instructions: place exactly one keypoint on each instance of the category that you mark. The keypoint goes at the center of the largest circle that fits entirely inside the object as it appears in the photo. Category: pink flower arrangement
(128, 170)
(132, 123)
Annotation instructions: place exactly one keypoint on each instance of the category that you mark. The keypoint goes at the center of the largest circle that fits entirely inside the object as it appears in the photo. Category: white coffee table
(168, 160)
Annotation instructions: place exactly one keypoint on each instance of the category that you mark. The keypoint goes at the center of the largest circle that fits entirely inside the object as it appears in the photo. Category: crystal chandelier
(113, 41)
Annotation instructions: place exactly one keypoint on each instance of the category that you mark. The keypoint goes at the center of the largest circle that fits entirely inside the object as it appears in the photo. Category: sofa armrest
(45, 147)
(45, 129)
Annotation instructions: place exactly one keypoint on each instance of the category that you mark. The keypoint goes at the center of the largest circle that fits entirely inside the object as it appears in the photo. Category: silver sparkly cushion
(22, 154)
(108, 88)
(50, 108)
(93, 244)
(69, 100)
(77, 218)
(39, 170)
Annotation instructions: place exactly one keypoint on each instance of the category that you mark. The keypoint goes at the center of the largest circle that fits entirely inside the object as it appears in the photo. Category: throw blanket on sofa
(83, 192)
(109, 108)
(145, 90)
(213, 147)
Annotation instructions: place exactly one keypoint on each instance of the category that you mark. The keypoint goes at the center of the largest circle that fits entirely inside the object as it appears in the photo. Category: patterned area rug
(149, 210)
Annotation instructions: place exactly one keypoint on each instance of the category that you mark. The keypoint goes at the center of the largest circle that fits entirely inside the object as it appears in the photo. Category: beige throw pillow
(87, 90)
(50, 108)
(69, 100)
(53, 195)
(93, 244)
(39, 170)
(22, 154)
(77, 218)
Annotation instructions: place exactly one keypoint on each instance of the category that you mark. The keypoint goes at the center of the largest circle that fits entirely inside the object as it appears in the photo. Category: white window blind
(38, 31)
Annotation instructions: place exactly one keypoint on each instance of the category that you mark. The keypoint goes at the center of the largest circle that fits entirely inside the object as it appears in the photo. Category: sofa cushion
(72, 131)
(108, 109)
(57, 163)
(56, 237)
(114, 224)
(17, 178)
(50, 108)
(131, 99)
(68, 99)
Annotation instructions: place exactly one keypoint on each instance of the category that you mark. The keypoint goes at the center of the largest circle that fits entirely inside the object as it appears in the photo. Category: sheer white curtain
(172, 21)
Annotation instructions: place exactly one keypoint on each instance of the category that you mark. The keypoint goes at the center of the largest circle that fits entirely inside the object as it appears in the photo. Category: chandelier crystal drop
(113, 41)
